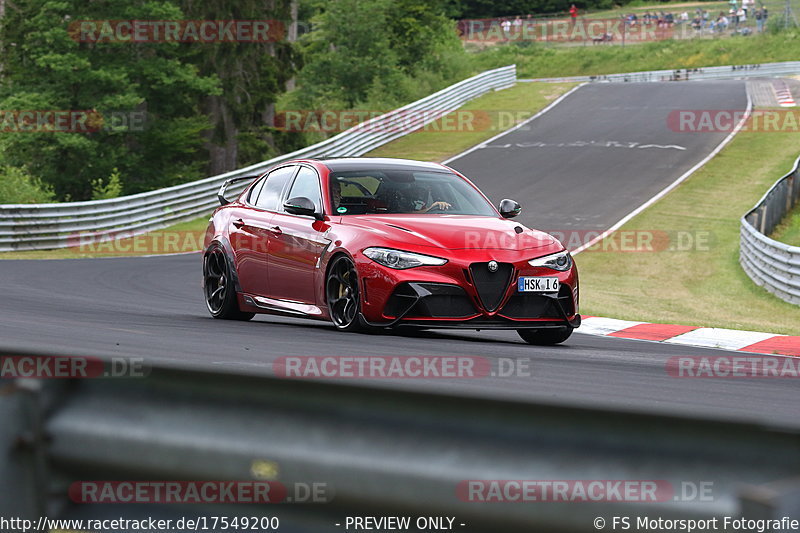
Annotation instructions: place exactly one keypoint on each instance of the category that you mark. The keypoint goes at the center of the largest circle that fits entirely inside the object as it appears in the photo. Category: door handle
(275, 229)
(238, 223)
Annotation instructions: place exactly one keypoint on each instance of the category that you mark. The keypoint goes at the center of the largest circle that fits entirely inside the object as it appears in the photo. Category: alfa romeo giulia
(385, 243)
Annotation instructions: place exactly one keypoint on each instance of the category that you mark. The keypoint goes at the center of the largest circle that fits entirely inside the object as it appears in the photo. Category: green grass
(703, 286)
(789, 230)
(538, 61)
(480, 119)
(667, 7)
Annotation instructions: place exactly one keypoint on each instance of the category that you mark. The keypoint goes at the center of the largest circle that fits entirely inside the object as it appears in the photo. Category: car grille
(491, 286)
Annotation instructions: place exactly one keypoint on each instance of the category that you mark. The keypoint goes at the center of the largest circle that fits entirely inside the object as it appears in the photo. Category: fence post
(23, 487)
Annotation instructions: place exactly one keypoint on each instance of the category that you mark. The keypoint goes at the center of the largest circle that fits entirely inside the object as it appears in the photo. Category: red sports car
(384, 243)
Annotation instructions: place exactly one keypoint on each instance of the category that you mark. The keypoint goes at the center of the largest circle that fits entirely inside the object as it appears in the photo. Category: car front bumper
(463, 294)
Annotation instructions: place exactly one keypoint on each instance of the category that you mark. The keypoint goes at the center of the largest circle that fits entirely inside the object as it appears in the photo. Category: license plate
(537, 284)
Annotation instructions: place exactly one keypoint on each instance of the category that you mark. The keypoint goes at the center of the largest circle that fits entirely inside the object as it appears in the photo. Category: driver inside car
(336, 194)
(411, 200)
(419, 201)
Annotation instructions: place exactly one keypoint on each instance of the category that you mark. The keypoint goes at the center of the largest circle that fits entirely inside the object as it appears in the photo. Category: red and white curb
(783, 94)
(726, 339)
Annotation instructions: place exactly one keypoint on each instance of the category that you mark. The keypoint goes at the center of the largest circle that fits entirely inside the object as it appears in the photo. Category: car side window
(306, 184)
(256, 190)
(270, 194)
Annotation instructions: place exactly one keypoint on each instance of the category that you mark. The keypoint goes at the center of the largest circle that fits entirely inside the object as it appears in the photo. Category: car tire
(545, 337)
(343, 296)
(219, 288)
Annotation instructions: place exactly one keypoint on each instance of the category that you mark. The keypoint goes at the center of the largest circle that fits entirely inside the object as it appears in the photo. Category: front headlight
(561, 261)
(401, 260)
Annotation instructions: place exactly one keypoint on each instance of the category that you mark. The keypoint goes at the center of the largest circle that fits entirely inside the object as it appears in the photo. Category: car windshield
(384, 191)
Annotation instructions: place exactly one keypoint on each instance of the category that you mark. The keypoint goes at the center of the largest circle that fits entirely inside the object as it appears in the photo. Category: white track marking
(675, 183)
(783, 94)
(729, 339)
(518, 126)
(603, 326)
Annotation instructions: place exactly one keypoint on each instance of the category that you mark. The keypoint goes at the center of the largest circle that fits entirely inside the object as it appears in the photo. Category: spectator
(517, 26)
(684, 17)
(722, 22)
(741, 17)
(506, 25)
(759, 20)
(573, 13)
(733, 18)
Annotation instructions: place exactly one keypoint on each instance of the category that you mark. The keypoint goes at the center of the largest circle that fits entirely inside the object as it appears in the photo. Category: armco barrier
(762, 70)
(380, 451)
(769, 263)
(49, 226)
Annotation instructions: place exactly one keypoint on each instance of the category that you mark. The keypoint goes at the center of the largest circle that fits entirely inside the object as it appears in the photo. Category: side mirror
(301, 206)
(509, 208)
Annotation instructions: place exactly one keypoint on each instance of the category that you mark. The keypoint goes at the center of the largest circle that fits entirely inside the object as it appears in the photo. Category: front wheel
(219, 288)
(343, 296)
(545, 337)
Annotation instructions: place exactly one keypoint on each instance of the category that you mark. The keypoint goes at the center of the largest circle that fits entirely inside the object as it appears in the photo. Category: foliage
(46, 69)
(376, 54)
(252, 76)
(17, 186)
(105, 189)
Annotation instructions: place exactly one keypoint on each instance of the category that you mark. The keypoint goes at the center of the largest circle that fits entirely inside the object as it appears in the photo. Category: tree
(46, 68)
(377, 53)
(252, 75)
(346, 52)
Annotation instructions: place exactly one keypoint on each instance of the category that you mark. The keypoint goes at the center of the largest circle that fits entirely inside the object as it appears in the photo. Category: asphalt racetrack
(600, 153)
(153, 307)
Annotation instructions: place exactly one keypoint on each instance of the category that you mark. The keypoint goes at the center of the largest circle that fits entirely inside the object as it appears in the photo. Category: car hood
(453, 232)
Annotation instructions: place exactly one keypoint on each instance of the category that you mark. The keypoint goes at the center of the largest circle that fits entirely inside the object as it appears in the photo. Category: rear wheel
(219, 288)
(545, 337)
(343, 296)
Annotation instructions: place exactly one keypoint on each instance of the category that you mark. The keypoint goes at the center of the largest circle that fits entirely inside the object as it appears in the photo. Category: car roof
(346, 164)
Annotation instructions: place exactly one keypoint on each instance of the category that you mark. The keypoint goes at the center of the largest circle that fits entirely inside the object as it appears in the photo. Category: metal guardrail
(769, 263)
(50, 226)
(786, 68)
(378, 450)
